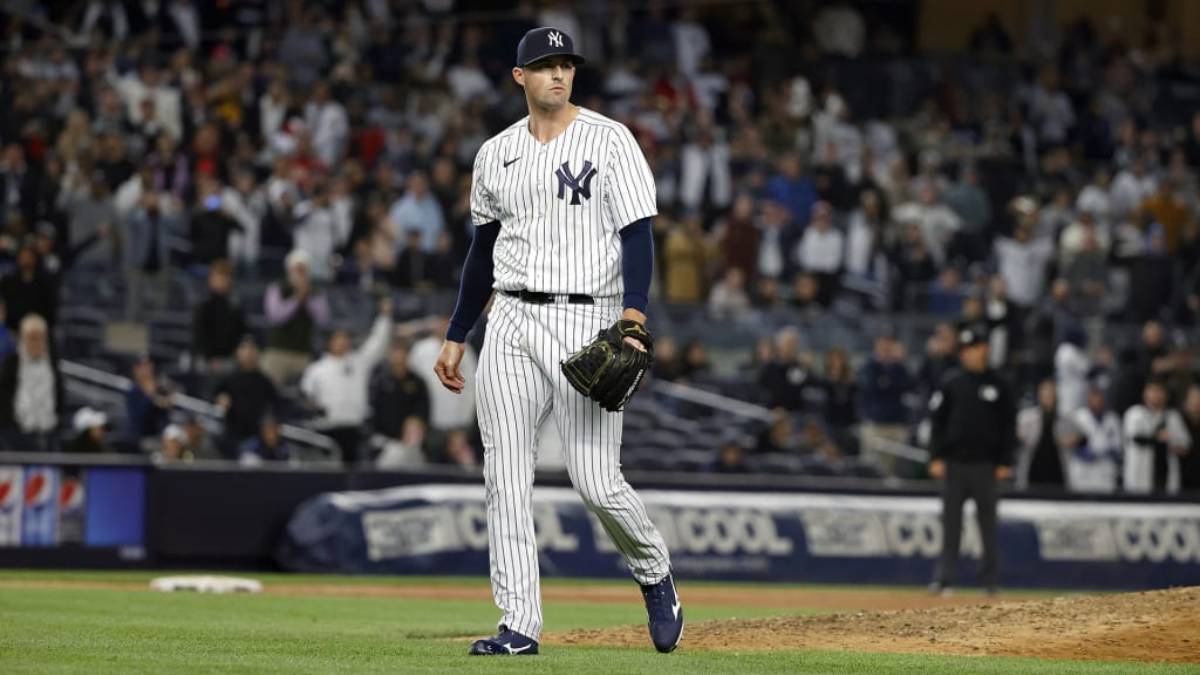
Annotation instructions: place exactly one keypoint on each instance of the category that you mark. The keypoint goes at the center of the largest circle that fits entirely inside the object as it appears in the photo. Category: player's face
(547, 82)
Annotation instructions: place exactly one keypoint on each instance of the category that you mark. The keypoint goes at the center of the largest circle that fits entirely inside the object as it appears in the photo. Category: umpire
(972, 439)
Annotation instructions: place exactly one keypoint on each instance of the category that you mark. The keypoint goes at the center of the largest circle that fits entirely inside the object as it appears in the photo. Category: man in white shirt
(329, 124)
(338, 382)
(1155, 436)
(1131, 188)
(1022, 262)
(821, 250)
(148, 82)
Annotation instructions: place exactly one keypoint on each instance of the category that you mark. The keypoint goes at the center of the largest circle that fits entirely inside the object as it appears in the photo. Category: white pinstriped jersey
(562, 204)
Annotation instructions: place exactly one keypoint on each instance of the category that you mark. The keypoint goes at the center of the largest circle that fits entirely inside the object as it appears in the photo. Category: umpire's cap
(545, 41)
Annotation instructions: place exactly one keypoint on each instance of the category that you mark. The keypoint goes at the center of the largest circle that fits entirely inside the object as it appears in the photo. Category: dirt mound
(1151, 627)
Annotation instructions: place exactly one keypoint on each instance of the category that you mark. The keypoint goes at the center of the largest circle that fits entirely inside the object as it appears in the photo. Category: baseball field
(112, 622)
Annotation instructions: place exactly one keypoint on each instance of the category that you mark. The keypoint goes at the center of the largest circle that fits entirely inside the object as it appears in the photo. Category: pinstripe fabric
(520, 387)
(556, 236)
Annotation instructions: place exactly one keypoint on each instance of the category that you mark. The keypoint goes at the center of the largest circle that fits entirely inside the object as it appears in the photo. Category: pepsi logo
(34, 488)
(71, 494)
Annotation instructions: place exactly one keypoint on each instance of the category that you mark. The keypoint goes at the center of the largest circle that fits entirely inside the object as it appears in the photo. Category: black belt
(550, 298)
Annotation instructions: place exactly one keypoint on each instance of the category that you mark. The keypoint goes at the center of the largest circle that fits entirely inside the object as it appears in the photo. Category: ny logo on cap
(555, 38)
(581, 185)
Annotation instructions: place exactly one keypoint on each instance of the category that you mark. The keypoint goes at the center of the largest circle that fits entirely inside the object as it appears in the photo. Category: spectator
(667, 366)
(705, 181)
(267, 446)
(1189, 462)
(329, 124)
(1072, 367)
(1152, 276)
(418, 209)
(218, 322)
(793, 189)
(322, 228)
(1095, 464)
(865, 259)
(147, 403)
(7, 344)
(89, 210)
(731, 458)
(28, 291)
(246, 396)
(210, 225)
(247, 203)
(1022, 262)
(738, 236)
(1086, 272)
(397, 394)
(1094, 198)
(150, 229)
(938, 360)
(695, 360)
(197, 443)
(936, 222)
(841, 398)
(839, 30)
(31, 390)
(884, 382)
(1131, 188)
(787, 381)
(914, 265)
(447, 411)
(172, 446)
(780, 435)
(821, 251)
(778, 234)
(295, 311)
(458, 451)
(1047, 441)
(406, 450)
(337, 383)
(729, 299)
(685, 263)
(90, 426)
(1155, 437)
(415, 267)
(970, 202)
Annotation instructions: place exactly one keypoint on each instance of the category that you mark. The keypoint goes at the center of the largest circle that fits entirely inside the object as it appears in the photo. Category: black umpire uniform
(972, 440)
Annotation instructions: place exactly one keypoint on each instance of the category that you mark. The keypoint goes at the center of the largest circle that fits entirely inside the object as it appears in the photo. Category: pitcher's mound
(1152, 626)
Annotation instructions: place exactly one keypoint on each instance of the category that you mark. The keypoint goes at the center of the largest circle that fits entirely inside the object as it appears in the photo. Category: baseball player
(562, 202)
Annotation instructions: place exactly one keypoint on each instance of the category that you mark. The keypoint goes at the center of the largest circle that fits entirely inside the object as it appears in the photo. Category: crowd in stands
(1048, 190)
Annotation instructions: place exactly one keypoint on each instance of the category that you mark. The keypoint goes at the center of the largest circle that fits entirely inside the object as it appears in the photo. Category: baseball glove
(608, 370)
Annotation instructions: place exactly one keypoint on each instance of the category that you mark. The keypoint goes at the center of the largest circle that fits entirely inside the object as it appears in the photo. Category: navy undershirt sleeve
(476, 285)
(637, 263)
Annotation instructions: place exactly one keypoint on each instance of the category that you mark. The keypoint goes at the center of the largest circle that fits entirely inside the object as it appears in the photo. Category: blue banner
(442, 529)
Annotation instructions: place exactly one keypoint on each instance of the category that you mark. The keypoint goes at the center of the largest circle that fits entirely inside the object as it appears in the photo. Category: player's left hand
(1004, 472)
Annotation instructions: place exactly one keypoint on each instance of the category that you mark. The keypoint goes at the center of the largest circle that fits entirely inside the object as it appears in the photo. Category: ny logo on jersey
(555, 38)
(580, 185)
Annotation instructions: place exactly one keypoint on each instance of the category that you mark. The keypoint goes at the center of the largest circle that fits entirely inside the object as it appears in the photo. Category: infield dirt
(1156, 626)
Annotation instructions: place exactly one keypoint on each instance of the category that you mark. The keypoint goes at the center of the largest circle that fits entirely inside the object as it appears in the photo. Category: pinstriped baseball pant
(520, 387)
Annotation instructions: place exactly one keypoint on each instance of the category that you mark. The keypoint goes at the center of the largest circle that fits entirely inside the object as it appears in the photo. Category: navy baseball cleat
(505, 644)
(665, 613)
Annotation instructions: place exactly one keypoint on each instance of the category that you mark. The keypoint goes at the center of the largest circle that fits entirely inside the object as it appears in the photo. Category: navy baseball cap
(545, 41)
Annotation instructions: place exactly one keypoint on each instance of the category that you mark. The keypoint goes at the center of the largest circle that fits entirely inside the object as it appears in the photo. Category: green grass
(85, 630)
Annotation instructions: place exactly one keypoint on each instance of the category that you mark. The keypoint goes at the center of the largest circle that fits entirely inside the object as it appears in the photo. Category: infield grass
(89, 630)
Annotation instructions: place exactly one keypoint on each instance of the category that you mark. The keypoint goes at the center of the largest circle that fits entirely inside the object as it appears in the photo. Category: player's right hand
(446, 367)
